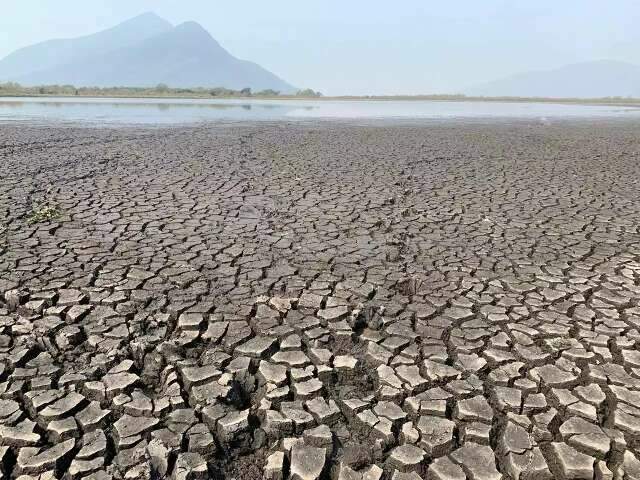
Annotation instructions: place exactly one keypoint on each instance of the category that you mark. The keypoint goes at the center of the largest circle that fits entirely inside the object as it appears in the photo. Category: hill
(597, 79)
(45, 55)
(142, 52)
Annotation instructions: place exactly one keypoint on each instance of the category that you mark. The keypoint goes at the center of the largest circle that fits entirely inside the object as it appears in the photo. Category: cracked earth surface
(274, 301)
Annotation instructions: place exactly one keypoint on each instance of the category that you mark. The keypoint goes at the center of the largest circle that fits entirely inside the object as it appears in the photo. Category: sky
(367, 46)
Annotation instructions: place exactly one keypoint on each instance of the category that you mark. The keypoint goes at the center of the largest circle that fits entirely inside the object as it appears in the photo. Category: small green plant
(561, 343)
(43, 213)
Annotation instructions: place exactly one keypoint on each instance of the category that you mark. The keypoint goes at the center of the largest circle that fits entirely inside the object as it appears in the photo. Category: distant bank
(165, 92)
(13, 89)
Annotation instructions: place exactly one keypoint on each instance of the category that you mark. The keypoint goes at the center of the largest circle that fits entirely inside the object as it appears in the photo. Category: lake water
(101, 111)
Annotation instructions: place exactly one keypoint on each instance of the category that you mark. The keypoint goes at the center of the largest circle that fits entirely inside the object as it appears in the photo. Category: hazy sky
(367, 46)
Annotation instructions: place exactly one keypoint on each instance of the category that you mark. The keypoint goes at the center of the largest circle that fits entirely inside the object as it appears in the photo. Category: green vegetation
(12, 89)
(308, 93)
(560, 343)
(43, 213)
(161, 90)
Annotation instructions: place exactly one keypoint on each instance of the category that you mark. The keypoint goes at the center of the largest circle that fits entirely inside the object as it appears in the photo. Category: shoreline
(401, 98)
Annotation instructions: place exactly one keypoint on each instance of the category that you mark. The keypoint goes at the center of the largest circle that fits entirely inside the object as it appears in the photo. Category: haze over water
(181, 111)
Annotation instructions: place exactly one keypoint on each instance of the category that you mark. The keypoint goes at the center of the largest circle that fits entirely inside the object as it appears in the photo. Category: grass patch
(560, 343)
(43, 213)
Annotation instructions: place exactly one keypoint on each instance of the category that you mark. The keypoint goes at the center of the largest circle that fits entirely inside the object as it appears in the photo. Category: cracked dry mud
(315, 301)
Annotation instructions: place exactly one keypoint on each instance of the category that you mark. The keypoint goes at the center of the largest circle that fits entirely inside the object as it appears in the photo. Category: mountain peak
(192, 28)
(191, 25)
(146, 19)
(149, 14)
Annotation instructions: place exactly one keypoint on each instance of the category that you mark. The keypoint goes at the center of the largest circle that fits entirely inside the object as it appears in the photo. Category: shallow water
(179, 111)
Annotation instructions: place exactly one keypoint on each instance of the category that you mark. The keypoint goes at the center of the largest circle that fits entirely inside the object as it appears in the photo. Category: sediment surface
(315, 301)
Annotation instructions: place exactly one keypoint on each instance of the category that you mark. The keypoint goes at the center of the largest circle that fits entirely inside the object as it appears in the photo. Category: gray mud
(321, 301)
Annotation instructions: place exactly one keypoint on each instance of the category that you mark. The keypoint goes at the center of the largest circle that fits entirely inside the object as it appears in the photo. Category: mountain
(603, 78)
(45, 55)
(141, 52)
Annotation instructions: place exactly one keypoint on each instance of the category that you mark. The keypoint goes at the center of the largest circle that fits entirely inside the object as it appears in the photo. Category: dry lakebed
(321, 300)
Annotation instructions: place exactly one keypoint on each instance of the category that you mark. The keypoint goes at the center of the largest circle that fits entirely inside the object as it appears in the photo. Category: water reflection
(163, 107)
(166, 111)
(148, 111)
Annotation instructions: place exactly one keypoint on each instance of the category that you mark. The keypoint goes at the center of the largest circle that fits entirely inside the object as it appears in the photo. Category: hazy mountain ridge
(48, 54)
(142, 52)
(596, 79)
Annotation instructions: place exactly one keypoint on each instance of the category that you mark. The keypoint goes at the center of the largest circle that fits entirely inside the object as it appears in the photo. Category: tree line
(160, 90)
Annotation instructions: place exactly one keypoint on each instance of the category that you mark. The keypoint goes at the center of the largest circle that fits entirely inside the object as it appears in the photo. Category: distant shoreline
(613, 101)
